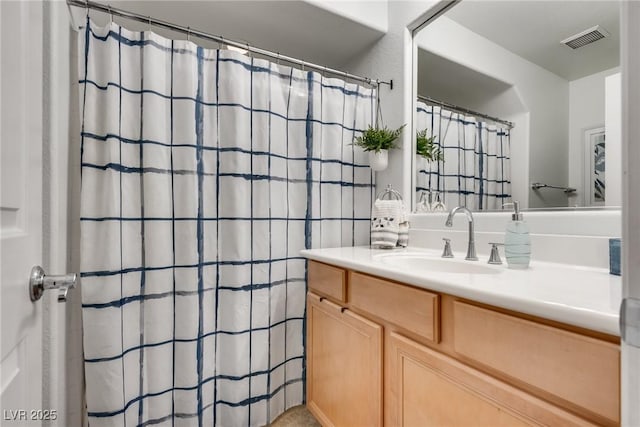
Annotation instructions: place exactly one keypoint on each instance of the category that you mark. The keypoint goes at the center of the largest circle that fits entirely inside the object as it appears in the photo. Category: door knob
(40, 282)
(630, 321)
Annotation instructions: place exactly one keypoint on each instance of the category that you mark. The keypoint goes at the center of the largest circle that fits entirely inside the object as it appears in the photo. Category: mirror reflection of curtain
(476, 168)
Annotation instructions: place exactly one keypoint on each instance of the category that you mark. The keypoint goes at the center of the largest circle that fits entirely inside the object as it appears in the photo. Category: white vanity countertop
(579, 296)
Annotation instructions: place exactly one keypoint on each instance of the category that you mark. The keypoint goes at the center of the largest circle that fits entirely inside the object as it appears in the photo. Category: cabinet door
(344, 366)
(427, 388)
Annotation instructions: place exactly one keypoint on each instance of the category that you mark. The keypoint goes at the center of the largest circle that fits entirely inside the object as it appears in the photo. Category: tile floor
(298, 416)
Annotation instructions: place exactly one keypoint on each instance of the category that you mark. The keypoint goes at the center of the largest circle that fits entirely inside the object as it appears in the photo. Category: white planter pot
(379, 161)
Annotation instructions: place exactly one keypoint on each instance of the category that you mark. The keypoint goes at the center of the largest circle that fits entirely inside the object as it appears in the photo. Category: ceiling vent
(586, 37)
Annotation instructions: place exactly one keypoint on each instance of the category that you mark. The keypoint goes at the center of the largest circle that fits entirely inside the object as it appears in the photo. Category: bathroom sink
(429, 263)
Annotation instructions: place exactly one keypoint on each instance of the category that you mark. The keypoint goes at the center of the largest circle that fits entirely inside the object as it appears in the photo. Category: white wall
(391, 58)
(545, 97)
(586, 111)
(578, 237)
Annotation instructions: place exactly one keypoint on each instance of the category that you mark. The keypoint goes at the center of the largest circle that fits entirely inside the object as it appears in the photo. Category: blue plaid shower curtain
(204, 173)
(476, 169)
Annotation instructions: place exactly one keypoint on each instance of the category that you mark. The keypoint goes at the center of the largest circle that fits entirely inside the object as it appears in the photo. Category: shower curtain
(476, 167)
(204, 173)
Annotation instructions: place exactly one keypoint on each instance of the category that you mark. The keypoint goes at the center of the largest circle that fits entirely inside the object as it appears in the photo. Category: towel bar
(539, 185)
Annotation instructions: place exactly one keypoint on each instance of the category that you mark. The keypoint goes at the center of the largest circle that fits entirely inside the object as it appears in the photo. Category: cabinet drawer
(328, 281)
(415, 310)
(580, 370)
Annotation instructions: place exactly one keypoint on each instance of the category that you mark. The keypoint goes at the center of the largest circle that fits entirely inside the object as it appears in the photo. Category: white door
(630, 55)
(21, 135)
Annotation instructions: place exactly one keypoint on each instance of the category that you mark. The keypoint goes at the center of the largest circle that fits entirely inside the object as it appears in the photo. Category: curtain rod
(219, 39)
(464, 110)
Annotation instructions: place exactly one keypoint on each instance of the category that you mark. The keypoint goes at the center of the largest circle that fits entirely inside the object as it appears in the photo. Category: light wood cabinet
(582, 371)
(428, 388)
(415, 310)
(328, 281)
(344, 366)
(385, 353)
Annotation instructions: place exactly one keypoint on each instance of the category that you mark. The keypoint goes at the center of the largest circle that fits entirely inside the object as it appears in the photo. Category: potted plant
(378, 141)
(426, 147)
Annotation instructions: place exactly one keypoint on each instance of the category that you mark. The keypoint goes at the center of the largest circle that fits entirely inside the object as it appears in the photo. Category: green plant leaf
(376, 139)
(426, 147)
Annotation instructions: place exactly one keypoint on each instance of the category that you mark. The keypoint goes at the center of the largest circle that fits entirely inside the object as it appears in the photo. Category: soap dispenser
(517, 242)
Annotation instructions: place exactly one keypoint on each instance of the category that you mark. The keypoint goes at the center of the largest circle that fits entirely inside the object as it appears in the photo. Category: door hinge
(630, 321)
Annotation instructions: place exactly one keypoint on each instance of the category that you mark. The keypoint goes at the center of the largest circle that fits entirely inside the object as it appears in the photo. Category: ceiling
(534, 29)
(295, 28)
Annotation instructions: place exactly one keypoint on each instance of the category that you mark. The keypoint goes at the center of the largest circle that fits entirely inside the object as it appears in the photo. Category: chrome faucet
(471, 249)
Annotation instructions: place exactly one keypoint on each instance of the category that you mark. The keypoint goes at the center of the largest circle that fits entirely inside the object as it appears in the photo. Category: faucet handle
(494, 258)
(437, 205)
(446, 252)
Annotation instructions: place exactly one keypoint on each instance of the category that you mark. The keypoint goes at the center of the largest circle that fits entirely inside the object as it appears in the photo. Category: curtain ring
(86, 5)
(110, 14)
(249, 50)
(188, 34)
(149, 18)
(220, 40)
(278, 58)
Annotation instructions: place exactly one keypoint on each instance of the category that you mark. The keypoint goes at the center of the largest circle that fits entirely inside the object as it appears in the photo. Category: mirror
(513, 98)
